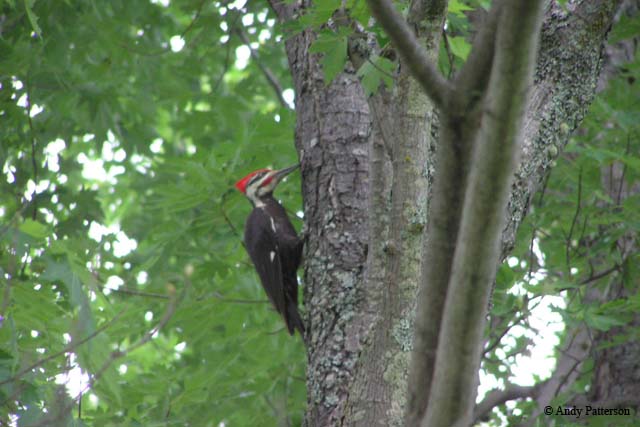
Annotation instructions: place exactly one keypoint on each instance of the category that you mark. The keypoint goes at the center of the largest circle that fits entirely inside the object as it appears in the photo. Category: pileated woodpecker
(272, 243)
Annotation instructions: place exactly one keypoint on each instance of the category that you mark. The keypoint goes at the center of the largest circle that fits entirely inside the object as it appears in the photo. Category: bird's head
(262, 182)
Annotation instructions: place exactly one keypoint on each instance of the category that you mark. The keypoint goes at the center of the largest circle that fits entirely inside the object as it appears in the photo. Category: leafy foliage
(119, 216)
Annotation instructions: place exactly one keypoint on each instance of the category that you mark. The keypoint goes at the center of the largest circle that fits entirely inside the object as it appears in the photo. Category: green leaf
(459, 47)
(34, 229)
(333, 47)
(604, 322)
(457, 7)
(359, 10)
(374, 72)
(319, 13)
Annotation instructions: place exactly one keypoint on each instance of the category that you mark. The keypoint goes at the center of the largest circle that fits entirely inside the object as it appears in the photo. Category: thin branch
(168, 313)
(220, 297)
(34, 163)
(543, 190)
(225, 67)
(227, 58)
(125, 290)
(506, 330)
(271, 406)
(135, 292)
(595, 276)
(380, 70)
(611, 183)
(232, 227)
(269, 75)
(6, 297)
(286, 407)
(193, 21)
(582, 233)
(433, 83)
(624, 171)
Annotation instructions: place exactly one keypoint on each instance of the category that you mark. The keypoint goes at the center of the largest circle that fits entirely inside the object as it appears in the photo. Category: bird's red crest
(242, 184)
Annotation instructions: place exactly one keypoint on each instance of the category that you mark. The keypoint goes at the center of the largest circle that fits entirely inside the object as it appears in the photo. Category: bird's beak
(284, 172)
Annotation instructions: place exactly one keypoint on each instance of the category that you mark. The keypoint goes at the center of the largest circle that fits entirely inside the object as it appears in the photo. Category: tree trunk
(360, 313)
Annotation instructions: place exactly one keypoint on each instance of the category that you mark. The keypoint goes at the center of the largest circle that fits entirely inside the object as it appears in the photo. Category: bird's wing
(261, 243)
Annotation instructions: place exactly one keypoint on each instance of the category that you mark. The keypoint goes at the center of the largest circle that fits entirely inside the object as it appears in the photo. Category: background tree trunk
(616, 378)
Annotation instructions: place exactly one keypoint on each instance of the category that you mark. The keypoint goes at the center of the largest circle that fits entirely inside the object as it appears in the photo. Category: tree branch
(433, 83)
(473, 78)
(220, 297)
(458, 129)
(134, 292)
(498, 397)
(439, 237)
(453, 388)
(597, 276)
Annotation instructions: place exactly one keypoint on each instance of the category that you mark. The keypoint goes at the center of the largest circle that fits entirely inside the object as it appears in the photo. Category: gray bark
(571, 49)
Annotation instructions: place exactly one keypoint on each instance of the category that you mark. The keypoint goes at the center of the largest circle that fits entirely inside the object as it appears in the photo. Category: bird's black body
(272, 244)
(276, 251)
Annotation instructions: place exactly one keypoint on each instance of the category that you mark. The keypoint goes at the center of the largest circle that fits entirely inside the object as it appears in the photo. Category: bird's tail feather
(294, 321)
